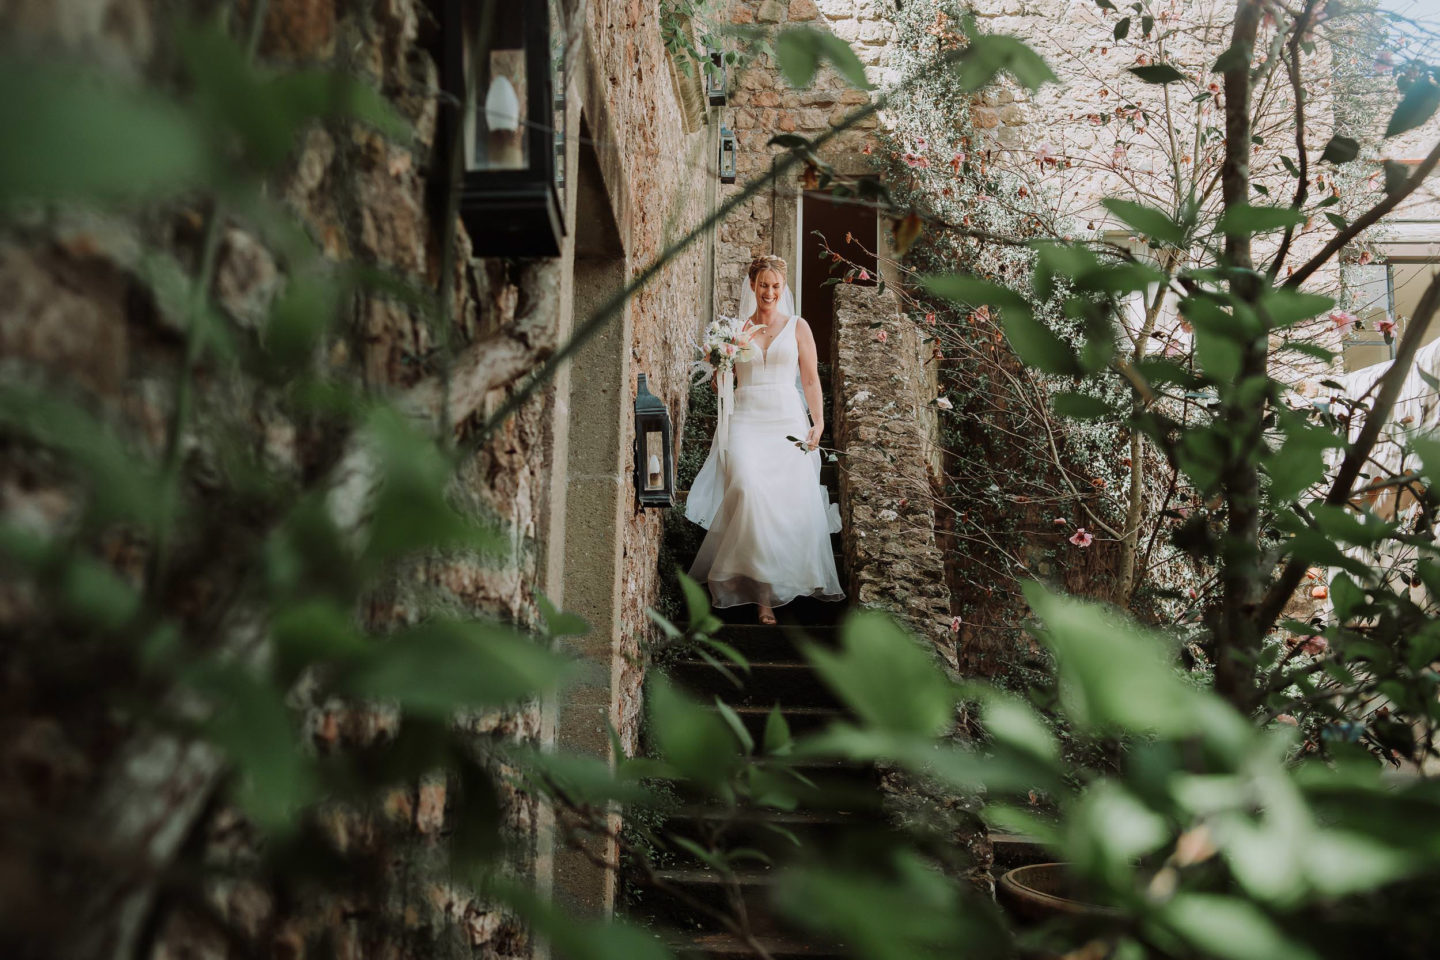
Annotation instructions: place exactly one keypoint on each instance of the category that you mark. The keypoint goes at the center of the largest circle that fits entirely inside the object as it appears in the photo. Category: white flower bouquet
(724, 344)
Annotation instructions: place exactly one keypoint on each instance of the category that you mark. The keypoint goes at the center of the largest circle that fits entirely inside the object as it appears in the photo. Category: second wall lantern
(654, 462)
(513, 125)
(727, 154)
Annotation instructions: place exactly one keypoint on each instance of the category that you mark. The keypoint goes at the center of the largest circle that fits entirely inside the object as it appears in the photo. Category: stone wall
(884, 411)
(80, 313)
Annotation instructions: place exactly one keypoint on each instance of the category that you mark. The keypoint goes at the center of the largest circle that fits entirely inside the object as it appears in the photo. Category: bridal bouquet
(723, 346)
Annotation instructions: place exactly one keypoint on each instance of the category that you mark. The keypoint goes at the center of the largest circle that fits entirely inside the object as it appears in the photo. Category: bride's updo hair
(766, 262)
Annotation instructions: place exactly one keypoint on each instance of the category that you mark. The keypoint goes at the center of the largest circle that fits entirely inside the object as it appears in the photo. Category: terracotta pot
(1043, 891)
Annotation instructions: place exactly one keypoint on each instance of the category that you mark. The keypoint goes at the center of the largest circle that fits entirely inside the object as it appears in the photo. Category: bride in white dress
(759, 494)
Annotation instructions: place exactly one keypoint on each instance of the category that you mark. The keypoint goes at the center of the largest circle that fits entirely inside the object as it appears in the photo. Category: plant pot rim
(1013, 883)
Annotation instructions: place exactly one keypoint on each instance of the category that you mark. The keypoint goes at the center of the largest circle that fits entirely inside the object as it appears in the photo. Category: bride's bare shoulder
(801, 326)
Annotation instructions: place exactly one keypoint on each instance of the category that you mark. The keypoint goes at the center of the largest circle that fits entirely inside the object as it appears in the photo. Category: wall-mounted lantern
(654, 465)
(727, 154)
(513, 51)
(715, 81)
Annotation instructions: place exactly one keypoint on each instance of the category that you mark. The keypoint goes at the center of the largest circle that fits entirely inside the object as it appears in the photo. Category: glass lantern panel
(497, 130)
(654, 460)
(558, 44)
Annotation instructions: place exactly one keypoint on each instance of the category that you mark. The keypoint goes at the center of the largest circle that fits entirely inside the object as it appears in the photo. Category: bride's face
(768, 286)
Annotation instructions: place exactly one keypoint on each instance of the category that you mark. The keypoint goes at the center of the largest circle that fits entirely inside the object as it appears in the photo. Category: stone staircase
(842, 800)
(840, 812)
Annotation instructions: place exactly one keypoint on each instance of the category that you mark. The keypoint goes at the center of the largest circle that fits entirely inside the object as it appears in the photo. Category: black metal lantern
(513, 122)
(654, 465)
(727, 154)
(715, 79)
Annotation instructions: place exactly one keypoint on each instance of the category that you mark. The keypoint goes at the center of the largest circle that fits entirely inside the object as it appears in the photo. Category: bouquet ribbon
(720, 444)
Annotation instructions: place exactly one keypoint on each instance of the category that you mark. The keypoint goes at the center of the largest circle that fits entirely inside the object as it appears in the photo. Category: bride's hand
(812, 439)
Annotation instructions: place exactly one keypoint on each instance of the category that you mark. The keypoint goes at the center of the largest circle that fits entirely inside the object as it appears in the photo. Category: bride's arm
(810, 380)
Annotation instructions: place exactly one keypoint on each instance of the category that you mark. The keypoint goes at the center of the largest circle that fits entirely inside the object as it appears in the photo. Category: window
(1379, 290)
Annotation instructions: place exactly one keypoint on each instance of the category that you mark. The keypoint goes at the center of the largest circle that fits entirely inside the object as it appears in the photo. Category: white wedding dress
(759, 495)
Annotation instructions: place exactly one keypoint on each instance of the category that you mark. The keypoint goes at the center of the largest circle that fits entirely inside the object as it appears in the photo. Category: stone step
(802, 720)
(802, 611)
(777, 644)
(765, 683)
(776, 833)
(674, 911)
(729, 945)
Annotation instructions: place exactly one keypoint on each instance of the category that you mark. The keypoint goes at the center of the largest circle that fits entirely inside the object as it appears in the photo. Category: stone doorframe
(588, 457)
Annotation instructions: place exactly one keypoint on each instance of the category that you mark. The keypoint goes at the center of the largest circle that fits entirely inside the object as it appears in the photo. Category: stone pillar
(884, 422)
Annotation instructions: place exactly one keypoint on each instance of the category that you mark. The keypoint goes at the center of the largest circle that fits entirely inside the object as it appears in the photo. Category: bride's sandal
(767, 616)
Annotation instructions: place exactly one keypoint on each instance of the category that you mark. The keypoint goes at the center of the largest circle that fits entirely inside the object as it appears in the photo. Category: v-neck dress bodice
(769, 536)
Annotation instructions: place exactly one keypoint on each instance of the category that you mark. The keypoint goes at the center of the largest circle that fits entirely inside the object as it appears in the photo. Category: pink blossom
(1043, 152)
(864, 274)
(1314, 645)
(960, 157)
(920, 144)
(1343, 320)
(955, 622)
(730, 349)
(911, 160)
(882, 336)
(1082, 538)
(930, 319)
(1285, 718)
(1061, 521)
(1386, 325)
(944, 403)
(1118, 156)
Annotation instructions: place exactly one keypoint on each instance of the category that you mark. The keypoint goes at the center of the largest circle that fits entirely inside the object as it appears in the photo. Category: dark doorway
(833, 220)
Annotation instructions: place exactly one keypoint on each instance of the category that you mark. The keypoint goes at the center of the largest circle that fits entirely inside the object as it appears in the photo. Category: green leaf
(777, 733)
(1231, 928)
(1341, 150)
(736, 725)
(1284, 306)
(77, 134)
(250, 722)
(696, 741)
(1289, 166)
(1080, 406)
(885, 677)
(1415, 108)
(299, 319)
(790, 141)
(119, 483)
(1122, 29)
(799, 51)
(1088, 642)
(560, 623)
(1146, 220)
(1160, 73)
(1220, 356)
(971, 292)
(991, 53)
(1013, 722)
(411, 511)
(314, 631)
(442, 666)
(93, 592)
(1233, 57)
(697, 605)
(1346, 596)
(1243, 218)
(1337, 221)
(1396, 174)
